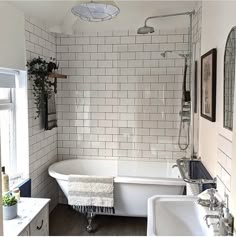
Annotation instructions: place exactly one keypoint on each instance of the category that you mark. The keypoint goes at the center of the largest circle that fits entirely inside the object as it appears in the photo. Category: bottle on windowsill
(5, 181)
(16, 193)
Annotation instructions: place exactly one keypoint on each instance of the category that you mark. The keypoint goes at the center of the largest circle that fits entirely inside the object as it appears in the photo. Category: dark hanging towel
(50, 112)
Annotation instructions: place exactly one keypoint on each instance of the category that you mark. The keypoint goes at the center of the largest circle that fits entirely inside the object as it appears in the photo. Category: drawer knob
(40, 227)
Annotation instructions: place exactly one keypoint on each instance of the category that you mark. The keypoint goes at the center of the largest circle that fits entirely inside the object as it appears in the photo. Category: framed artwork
(208, 85)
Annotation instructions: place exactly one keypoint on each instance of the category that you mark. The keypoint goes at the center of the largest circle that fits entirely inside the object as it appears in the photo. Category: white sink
(176, 216)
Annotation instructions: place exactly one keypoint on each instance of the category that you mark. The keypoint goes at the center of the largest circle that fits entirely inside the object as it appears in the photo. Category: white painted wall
(218, 17)
(1, 219)
(12, 38)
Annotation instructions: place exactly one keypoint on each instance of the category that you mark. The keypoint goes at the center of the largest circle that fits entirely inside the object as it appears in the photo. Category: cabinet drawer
(40, 224)
(25, 232)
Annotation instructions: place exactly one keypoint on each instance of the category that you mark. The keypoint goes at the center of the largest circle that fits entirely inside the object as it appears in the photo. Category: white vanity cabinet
(40, 225)
(32, 219)
(25, 232)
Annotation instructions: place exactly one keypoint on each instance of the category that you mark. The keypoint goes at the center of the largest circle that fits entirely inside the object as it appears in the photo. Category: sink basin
(176, 216)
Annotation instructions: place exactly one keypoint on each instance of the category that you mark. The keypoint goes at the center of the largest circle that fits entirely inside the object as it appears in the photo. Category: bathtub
(134, 181)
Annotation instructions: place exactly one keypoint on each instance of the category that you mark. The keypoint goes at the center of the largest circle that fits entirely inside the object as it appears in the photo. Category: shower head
(145, 30)
(184, 55)
(165, 53)
(149, 29)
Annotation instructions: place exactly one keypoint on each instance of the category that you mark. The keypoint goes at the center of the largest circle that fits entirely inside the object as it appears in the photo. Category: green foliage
(8, 200)
(38, 73)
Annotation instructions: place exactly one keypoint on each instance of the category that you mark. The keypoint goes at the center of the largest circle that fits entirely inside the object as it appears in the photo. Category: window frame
(9, 105)
(17, 104)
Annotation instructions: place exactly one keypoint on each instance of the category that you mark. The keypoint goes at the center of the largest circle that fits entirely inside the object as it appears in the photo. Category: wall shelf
(55, 76)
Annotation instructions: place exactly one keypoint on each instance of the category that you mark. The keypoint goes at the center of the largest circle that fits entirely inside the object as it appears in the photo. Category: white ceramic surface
(177, 216)
(135, 182)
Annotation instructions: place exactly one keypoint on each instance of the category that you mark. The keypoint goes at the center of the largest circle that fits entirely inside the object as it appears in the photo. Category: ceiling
(58, 17)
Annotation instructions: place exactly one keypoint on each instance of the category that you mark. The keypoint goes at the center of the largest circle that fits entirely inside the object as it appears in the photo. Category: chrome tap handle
(213, 199)
(211, 192)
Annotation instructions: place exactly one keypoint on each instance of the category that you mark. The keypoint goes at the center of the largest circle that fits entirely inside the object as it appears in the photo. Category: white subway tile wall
(42, 144)
(224, 161)
(197, 23)
(122, 98)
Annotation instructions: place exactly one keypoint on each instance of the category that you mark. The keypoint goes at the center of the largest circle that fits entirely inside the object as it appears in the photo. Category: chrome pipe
(168, 15)
(191, 81)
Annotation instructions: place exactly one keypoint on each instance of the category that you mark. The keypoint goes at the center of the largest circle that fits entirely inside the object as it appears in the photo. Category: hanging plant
(38, 73)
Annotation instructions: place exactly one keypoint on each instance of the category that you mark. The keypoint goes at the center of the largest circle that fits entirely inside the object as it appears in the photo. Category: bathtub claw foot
(89, 227)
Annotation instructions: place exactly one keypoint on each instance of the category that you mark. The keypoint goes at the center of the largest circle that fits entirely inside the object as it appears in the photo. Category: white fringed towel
(91, 191)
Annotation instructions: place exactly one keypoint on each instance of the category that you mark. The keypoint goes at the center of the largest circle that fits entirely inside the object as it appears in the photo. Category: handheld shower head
(145, 30)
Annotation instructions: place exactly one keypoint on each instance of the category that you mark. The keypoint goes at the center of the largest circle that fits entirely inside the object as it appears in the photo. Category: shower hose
(185, 146)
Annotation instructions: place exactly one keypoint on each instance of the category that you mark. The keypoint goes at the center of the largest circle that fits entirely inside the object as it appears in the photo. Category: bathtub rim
(122, 179)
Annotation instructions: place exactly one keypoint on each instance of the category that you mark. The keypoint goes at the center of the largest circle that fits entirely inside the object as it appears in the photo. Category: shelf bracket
(54, 84)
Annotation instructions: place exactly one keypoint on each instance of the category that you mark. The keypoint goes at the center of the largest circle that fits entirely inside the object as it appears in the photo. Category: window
(13, 122)
(7, 131)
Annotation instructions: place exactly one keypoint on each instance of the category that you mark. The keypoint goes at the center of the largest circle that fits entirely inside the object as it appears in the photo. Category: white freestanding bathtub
(134, 181)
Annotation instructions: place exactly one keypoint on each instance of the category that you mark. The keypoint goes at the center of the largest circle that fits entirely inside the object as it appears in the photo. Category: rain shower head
(145, 30)
(149, 29)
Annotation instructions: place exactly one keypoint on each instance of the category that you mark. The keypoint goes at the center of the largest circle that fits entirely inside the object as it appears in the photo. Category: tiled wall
(42, 144)
(122, 98)
(224, 161)
(197, 23)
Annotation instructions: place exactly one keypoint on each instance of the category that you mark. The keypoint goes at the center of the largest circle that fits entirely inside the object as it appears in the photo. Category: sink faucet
(225, 221)
(206, 217)
(219, 216)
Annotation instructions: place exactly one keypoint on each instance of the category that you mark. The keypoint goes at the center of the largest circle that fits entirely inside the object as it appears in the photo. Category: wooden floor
(65, 221)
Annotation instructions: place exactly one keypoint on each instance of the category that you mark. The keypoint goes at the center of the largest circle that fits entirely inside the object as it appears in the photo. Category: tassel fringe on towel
(94, 209)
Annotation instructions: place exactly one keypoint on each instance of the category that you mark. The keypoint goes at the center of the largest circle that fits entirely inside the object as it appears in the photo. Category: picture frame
(208, 85)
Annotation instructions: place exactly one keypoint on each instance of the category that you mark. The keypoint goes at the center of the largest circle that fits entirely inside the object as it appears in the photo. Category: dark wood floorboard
(65, 221)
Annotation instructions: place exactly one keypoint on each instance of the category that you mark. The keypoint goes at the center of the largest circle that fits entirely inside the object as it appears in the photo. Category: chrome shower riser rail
(148, 29)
